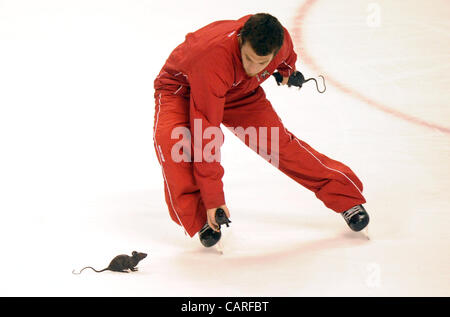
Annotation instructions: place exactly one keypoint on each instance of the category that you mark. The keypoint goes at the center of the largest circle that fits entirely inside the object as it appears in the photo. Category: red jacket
(207, 68)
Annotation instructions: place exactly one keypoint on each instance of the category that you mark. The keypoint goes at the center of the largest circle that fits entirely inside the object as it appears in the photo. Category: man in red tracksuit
(214, 77)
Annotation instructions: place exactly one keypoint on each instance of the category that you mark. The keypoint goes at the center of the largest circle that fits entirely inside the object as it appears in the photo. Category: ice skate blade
(365, 232)
(219, 247)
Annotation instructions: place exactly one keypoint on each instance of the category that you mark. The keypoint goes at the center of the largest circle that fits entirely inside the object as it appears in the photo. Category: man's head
(260, 40)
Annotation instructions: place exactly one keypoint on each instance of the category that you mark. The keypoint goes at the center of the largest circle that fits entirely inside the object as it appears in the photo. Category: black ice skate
(209, 237)
(357, 218)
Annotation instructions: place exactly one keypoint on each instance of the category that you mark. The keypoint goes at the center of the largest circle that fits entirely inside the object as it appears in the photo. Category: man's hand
(211, 216)
(296, 79)
(280, 79)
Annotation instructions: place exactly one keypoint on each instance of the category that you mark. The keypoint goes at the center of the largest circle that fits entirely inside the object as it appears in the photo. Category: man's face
(253, 63)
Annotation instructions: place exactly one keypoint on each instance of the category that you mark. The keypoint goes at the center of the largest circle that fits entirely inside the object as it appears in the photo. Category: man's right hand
(211, 216)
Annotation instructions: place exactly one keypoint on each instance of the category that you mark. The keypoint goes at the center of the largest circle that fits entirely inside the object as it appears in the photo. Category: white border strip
(288, 66)
(181, 86)
(162, 160)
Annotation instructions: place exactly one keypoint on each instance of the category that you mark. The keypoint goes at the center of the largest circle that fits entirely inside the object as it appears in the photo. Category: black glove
(278, 78)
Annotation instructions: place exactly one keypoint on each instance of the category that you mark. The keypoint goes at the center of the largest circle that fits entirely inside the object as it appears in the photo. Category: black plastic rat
(121, 263)
(297, 79)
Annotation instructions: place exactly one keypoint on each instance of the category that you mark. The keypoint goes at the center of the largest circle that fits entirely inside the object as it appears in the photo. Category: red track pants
(333, 183)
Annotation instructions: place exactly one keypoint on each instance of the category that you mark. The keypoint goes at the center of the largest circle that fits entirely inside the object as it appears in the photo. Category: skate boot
(357, 218)
(209, 237)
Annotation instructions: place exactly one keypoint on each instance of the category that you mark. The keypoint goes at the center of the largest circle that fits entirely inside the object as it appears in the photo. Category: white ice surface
(80, 183)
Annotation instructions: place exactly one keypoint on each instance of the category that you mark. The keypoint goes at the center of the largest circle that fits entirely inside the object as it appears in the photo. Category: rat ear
(134, 253)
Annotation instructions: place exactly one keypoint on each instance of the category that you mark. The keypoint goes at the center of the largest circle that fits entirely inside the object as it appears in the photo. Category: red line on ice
(299, 43)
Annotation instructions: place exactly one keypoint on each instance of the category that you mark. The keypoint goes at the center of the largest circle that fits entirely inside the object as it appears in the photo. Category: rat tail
(89, 267)
(317, 86)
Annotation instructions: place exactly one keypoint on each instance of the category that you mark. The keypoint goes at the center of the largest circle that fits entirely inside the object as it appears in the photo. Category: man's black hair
(264, 32)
